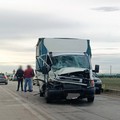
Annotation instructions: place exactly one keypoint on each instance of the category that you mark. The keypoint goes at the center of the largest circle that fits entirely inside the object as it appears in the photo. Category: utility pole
(110, 69)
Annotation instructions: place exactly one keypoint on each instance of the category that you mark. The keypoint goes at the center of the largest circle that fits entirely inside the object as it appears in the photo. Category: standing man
(28, 75)
(20, 75)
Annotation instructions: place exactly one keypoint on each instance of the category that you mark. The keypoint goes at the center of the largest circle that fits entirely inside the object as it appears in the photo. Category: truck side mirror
(97, 67)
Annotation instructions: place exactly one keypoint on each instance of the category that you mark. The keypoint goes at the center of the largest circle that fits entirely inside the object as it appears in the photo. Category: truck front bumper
(59, 94)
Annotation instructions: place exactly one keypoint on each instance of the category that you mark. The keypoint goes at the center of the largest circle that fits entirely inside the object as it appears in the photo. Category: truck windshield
(63, 61)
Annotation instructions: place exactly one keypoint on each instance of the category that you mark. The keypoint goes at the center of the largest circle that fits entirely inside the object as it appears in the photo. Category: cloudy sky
(22, 22)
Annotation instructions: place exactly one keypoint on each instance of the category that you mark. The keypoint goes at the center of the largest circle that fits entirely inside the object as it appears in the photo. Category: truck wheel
(6, 83)
(98, 91)
(90, 99)
(41, 94)
(48, 99)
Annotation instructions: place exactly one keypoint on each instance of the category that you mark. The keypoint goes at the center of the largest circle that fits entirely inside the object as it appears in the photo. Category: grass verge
(111, 83)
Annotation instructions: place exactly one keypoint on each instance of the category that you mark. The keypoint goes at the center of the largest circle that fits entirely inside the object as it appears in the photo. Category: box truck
(63, 67)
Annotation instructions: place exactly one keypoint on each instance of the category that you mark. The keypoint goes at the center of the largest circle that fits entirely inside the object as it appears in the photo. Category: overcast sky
(22, 22)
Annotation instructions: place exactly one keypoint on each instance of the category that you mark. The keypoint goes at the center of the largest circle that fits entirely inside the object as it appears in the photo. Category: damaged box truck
(63, 67)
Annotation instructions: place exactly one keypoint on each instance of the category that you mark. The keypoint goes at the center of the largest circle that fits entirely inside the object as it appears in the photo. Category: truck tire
(41, 94)
(48, 99)
(98, 92)
(6, 83)
(90, 99)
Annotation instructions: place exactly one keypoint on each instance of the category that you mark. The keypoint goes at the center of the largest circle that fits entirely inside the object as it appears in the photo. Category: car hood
(69, 70)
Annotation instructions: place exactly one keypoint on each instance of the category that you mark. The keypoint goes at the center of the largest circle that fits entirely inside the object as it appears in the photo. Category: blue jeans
(28, 81)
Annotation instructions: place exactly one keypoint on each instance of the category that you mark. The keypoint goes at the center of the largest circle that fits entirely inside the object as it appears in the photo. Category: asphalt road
(29, 106)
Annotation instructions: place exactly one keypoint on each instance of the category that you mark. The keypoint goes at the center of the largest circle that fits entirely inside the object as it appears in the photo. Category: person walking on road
(20, 75)
(28, 75)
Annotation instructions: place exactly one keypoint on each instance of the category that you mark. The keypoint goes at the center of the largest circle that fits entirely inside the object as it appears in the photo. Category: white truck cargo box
(61, 45)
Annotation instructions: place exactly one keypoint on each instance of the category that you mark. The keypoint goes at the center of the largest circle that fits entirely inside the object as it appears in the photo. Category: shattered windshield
(63, 61)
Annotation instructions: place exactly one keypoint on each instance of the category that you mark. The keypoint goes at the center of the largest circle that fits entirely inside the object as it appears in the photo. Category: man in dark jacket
(20, 75)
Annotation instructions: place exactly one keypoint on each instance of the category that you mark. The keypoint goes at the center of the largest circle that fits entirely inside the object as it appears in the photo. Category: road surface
(29, 106)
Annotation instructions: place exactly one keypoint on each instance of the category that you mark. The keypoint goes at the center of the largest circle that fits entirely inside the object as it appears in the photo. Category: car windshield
(1, 75)
(63, 61)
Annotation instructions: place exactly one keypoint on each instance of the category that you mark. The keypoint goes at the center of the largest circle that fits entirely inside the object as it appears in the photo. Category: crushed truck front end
(72, 73)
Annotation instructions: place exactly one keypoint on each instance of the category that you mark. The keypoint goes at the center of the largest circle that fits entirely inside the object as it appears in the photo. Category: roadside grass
(111, 83)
